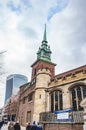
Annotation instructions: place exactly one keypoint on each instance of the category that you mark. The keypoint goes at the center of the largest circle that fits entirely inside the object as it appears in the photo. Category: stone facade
(66, 81)
(43, 77)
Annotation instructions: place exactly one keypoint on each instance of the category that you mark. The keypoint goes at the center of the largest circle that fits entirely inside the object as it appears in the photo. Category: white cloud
(68, 29)
(21, 33)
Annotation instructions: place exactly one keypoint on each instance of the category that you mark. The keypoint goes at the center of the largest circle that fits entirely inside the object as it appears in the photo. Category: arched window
(56, 101)
(78, 92)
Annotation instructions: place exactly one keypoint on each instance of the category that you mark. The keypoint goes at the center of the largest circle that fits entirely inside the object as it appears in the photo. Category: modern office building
(13, 82)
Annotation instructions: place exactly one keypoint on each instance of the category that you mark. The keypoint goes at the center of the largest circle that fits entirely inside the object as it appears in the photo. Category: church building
(47, 92)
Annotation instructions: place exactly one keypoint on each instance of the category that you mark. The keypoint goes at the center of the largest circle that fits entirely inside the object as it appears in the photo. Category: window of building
(40, 96)
(56, 101)
(34, 72)
(28, 118)
(24, 100)
(30, 96)
(77, 94)
(46, 68)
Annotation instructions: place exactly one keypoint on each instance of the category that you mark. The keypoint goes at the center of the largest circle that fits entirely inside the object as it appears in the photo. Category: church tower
(42, 70)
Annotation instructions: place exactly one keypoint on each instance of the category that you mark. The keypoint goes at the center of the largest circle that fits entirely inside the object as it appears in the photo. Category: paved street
(5, 127)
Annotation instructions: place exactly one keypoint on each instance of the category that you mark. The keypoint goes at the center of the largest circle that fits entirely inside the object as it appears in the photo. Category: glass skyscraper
(13, 82)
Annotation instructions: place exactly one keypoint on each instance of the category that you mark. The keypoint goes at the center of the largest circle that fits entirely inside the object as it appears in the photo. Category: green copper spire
(44, 42)
(44, 51)
(44, 38)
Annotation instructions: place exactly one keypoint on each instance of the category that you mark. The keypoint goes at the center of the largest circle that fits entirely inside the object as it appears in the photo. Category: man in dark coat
(17, 126)
(34, 126)
(28, 127)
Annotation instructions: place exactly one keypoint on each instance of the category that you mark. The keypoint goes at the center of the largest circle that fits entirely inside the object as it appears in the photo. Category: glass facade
(13, 83)
(9, 87)
(18, 80)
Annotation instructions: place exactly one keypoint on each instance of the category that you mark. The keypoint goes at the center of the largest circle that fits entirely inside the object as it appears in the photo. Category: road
(5, 127)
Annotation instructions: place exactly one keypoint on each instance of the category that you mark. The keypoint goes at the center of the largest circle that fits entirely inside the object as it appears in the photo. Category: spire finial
(44, 38)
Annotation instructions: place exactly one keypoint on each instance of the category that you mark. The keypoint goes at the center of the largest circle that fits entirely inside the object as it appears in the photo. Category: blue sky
(21, 32)
(60, 6)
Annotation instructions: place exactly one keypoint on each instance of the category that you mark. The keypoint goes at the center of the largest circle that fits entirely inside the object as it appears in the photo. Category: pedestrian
(39, 126)
(34, 126)
(17, 126)
(28, 126)
(11, 126)
(1, 124)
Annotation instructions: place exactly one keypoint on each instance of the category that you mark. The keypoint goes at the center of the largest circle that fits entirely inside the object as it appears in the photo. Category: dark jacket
(1, 124)
(39, 127)
(33, 127)
(17, 126)
(28, 127)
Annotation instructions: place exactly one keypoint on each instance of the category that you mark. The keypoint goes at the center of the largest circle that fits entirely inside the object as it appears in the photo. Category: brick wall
(55, 126)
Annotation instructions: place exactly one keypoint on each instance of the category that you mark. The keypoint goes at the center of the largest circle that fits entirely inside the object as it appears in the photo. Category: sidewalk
(23, 128)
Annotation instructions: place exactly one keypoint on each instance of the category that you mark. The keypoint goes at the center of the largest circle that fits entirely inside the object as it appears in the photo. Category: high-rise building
(13, 82)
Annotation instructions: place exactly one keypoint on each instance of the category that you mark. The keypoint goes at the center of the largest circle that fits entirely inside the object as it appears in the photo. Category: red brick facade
(39, 64)
(62, 126)
(25, 105)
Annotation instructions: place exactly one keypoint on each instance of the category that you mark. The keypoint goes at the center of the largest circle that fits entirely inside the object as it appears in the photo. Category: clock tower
(42, 70)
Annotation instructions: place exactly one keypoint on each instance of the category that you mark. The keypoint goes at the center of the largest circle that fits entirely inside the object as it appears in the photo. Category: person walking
(39, 126)
(11, 126)
(34, 126)
(1, 124)
(17, 126)
(28, 127)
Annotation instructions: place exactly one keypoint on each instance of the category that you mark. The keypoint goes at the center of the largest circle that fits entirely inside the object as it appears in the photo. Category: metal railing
(78, 117)
(48, 117)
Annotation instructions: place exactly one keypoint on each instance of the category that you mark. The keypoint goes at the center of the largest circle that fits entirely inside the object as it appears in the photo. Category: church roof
(70, 72)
